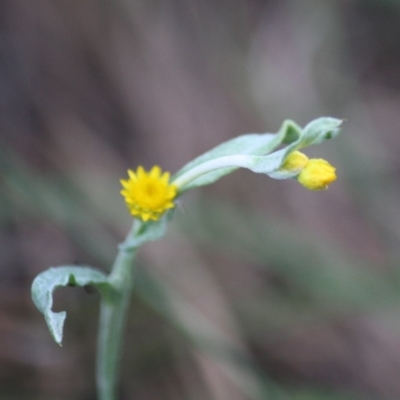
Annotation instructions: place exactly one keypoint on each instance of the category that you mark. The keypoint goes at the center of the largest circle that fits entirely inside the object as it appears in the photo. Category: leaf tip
(55, 322)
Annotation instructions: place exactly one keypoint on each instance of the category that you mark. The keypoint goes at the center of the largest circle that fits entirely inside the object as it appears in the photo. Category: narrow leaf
(315, 132)
(45, 283)
(252, 144)
(319, 130)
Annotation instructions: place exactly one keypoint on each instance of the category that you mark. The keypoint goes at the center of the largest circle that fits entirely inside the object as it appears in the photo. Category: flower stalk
(112, 321)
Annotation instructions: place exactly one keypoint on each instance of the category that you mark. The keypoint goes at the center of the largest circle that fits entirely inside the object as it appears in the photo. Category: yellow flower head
(295, 161)
(317, 174)
(148, 194)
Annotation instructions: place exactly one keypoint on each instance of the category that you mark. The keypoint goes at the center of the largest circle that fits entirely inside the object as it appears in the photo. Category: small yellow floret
(296, 161)
(148, 194)
(317, 174)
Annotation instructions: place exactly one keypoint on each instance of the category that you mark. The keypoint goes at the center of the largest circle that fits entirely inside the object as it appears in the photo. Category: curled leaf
(45, 283)
(257, 152)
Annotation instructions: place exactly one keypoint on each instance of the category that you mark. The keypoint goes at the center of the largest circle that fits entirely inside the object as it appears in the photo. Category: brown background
(261, 289)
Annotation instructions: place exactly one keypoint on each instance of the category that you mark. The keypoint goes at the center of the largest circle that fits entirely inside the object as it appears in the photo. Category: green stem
(112, 321)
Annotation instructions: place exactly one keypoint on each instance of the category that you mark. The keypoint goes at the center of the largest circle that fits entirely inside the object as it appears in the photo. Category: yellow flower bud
(296, 161)
(317, 174)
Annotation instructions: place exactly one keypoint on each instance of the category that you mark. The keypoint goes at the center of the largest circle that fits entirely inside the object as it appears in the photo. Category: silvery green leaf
(256, 152)
(45, 283)
(319, 130)
(252, 144)
(315, 132)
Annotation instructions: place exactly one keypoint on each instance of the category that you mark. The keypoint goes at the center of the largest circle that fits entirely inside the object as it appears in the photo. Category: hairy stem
(112, 322)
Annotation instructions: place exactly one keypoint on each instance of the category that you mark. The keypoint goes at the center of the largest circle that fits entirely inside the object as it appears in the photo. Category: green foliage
(252, 143)
(143, 232)
(315, 132)
(45, 283)
(250, 151)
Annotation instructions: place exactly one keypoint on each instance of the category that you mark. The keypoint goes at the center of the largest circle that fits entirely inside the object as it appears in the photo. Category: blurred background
(261, 289)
